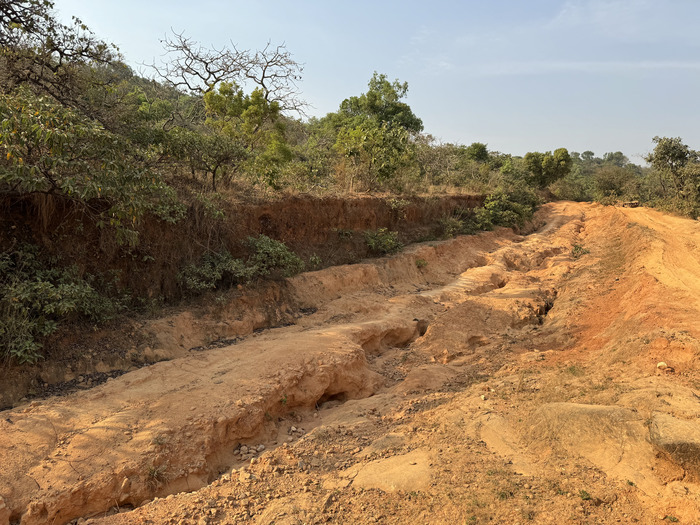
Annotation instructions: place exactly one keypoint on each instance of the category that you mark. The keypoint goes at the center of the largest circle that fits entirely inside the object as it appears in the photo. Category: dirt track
(495, 377)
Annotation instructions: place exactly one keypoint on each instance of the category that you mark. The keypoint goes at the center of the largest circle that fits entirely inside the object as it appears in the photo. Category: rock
(392, 474)
(244, 476)
(125, 486)
(679, 439)
(4, 513)
(261, 447)
(662, 366)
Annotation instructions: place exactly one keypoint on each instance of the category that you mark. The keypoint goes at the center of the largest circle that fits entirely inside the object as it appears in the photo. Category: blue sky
(600, 75)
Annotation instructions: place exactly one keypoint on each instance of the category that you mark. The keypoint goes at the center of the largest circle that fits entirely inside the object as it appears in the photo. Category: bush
(509, 207)
(451, 225)
(270, 257)
(215, 270)
(37, 295)
(218, 270)
(382, 241)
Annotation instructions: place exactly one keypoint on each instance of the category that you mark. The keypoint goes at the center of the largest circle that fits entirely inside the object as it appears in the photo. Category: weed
(575, 370)
(283, 399)
(156, 475)
(670, 518)
(504, 494)
(578, 251)
(383, 241)
(421, 263)
(211, 208)
(585, 496)
(159, 440)
(315, 262)
(631, 483)
(344, 234)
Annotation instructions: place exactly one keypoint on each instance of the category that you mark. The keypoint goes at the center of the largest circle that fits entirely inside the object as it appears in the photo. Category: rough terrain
(546, 378)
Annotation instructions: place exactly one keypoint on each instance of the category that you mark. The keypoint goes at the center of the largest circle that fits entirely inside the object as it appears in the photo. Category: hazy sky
(600, 75)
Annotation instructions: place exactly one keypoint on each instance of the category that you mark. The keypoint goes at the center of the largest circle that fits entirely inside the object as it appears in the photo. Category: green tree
(374, 152)
(50, 149)
(616, 158)
(669, 158)
(545, 168)
(477, 152)
(382, 103)
(373, 135)
(614, 181)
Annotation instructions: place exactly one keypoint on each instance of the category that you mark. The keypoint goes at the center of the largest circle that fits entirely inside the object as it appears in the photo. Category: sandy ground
(547, 378)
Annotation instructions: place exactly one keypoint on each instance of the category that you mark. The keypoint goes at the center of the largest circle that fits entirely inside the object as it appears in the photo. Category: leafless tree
(198, 69)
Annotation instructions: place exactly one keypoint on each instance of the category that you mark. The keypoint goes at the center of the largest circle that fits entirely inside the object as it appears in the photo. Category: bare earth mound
(546, 378)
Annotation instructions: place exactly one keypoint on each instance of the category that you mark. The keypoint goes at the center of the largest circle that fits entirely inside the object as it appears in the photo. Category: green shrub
(215, 270)
(37, 295)
(578, 250)
(271, 257)
(451, 226)
(382, 241)
(219, 270)
(513, 206)
(398, 208)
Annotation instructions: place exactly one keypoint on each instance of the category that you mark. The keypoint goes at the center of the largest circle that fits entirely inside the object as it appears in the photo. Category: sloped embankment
(323, 231)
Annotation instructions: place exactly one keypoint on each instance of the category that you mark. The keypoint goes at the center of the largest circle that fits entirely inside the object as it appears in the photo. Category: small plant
(575, 370)
(585, 496)
(159, 440)
(156, 475)
(630, 483)
(529, 515)
(315, 262)
(383, 241)
(578, 251)
(670, 518)
(504, 494)
(398, 207)
(421, 263)
(283, 399)
(343, 234)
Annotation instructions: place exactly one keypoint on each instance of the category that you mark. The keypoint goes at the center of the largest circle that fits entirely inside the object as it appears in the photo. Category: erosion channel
(550, 377)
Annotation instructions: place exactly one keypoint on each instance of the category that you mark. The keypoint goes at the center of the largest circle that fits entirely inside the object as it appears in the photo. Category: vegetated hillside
(122, 193)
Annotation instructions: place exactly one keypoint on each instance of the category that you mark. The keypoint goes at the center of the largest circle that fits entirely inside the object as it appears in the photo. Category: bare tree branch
(199, 70)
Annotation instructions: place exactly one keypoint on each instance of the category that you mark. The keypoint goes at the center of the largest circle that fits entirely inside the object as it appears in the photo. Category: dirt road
(546, 378)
